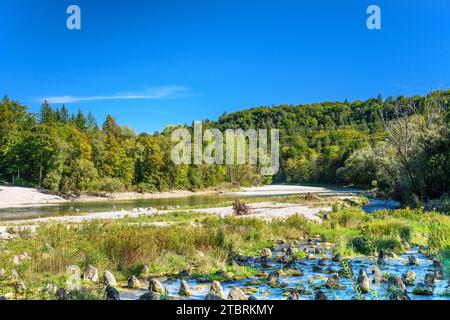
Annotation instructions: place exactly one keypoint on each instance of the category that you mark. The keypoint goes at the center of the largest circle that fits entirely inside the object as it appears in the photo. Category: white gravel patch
(271, 210)
(273, 190)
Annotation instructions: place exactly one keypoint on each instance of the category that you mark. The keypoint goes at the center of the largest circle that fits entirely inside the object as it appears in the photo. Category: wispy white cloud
(402, 86)
(167, 92)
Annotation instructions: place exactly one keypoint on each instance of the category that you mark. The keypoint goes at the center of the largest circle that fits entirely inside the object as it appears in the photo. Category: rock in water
(423, 290)
(363, 281)
(91, 274)
(109, 279)
(409, 277)
(252, 298)
(333, 282)
(336, 257)
(293, 295)
(150, 296)
(438, 270)
(413, 260)
(111, 293)
(185, 290)
(396, 282)
(266, 253)
(396, 289)
(322, 262)
(381, 257)
(274, 278)
(291, 251)
(320, 295)
(429, 280)
(134, 283)
(156, 287)
(215, 292)
(236, 294)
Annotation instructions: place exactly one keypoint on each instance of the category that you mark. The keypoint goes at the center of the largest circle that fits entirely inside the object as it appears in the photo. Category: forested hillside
(400, 146)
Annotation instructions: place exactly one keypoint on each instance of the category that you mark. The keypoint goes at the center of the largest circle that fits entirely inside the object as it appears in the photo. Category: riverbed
(311, 275)
(59, 209)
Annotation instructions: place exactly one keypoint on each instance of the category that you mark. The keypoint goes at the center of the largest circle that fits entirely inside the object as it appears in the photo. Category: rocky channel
(319, 275)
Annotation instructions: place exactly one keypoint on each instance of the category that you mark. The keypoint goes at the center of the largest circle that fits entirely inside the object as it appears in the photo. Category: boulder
(322, 262)
(291, 251)
(61, 294)
(109, 279)
(310, 256)
(316, 268)
(14, 275)
(215, 292)
(363, 281)
(184, 290)
(336, 257)
(394, 282)
(21, 287)
(438, 270)
(284, 259)
(236, 294)
(333, 282)
(17, 260)
(156, 287)
(320, 295)
(413, 260)
(274, 278)
(381, 257)
(91, 274)
(409, 277)
(111, 293)
(2, 274)
(266, 253)
(150, 296)
(252, 298)
(423, 290)
(346, 272)
(396, 289)
(429, 280)
(134, 283)
(50, 288)
(293, 295)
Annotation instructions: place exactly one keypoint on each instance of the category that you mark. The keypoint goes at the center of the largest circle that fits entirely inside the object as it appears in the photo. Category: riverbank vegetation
(206, 243)
(398, 147)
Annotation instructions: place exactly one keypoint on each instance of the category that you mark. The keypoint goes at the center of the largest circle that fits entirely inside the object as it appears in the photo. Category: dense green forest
(398, 146)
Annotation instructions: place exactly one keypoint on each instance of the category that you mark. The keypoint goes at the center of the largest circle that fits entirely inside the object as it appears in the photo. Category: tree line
(397, 145)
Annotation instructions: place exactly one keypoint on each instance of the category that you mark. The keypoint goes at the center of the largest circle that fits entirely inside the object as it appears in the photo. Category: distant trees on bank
(400, 146)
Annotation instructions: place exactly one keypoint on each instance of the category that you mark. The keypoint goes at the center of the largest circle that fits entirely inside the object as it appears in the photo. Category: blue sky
(153, 63)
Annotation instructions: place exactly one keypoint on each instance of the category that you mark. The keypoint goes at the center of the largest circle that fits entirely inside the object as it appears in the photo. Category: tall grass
(126, 247)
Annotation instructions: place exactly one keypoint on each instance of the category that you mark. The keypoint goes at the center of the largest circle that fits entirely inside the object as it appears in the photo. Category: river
(63, 209)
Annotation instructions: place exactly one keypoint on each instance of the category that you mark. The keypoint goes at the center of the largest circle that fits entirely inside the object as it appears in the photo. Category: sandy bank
(12, 197)
(16, 197)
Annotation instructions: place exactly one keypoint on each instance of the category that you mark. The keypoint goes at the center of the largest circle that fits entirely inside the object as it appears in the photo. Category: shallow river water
(25, 213)
(312, 279)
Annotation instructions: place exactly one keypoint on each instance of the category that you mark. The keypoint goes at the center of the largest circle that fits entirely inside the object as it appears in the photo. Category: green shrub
(109, 184)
